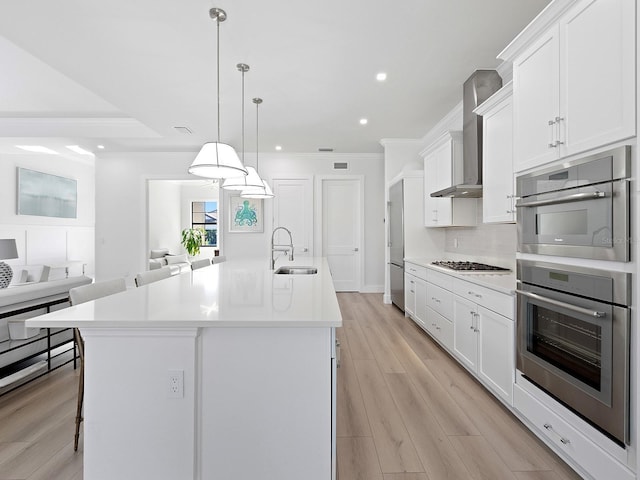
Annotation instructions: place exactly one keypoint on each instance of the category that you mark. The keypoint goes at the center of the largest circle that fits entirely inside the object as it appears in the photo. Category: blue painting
(46, 195)
(246, 215)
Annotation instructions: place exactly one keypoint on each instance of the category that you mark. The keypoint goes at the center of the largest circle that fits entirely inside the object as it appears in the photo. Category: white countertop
(242, 293)
(501, 282)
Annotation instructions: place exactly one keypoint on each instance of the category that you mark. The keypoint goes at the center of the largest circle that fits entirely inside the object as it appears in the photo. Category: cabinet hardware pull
(551, 122)
(563, 440)
(412, 290)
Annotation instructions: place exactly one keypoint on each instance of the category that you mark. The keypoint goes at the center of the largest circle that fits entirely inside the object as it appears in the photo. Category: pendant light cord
(257, 149)
(243, 70)
(218, 71)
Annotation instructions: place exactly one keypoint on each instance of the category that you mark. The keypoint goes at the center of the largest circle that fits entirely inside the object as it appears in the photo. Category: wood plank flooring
(406, 411)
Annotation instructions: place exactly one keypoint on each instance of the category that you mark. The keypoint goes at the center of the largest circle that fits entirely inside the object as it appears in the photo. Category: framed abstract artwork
(245, 215)
(46, 195)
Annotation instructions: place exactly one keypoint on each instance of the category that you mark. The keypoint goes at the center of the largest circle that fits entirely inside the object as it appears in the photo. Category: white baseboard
(386, 299)
(372, 289)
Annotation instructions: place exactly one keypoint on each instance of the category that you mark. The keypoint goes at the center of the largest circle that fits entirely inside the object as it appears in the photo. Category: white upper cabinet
(574, 85)
(442, 169)
(497, 157)
(535, 102)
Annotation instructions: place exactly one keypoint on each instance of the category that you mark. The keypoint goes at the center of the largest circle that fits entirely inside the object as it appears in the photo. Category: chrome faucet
(281, 248)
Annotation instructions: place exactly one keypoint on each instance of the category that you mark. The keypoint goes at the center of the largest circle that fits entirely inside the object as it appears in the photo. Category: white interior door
(341, 231)
(293, 209)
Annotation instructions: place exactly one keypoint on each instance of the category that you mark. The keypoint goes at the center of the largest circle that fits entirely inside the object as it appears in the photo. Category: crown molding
(545, 19)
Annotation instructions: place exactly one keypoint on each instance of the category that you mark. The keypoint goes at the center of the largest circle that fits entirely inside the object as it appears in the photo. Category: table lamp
(8, 250)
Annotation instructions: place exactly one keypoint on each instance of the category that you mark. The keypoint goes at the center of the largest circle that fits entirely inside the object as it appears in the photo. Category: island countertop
(236, 293)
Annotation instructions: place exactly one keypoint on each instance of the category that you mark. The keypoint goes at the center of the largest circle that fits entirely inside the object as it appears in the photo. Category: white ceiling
(123, 73)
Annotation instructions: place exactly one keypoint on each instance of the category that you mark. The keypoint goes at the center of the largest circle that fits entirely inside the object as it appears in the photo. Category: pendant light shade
(262, 190)
(216, 159)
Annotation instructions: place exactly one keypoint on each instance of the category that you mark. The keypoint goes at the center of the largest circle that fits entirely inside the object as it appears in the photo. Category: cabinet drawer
(498, 302)
(440, 300)
(441, 279)
(439, 328)
(415, 270)
(567, 439)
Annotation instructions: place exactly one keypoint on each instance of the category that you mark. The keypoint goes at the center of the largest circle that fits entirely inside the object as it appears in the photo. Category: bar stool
(150, 276)
(82, 294)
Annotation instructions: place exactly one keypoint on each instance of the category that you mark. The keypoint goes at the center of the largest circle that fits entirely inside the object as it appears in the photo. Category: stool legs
(80, 344)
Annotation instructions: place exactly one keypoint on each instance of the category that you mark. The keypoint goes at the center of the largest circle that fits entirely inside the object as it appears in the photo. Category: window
(205, 215)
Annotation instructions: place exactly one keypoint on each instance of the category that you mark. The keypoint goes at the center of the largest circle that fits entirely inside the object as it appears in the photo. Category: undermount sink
(296, 271)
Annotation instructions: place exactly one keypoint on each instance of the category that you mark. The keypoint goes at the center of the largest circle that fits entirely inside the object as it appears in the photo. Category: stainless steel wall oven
(573, 339)
(580, 209)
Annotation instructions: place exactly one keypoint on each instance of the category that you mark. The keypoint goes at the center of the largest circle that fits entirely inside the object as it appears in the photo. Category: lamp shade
(263, 191)
(8, 249)
(217, 160)
(244, 182)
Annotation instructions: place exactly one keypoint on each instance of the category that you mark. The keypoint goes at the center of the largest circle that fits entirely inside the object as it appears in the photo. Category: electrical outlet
(175, 384)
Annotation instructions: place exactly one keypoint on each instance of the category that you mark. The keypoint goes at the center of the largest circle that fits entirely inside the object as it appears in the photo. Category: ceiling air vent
(340, 165)
(325, 149)
(183, 130)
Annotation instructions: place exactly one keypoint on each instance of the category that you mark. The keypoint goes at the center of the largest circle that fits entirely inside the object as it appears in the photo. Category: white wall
(121, 207)
(48, 239)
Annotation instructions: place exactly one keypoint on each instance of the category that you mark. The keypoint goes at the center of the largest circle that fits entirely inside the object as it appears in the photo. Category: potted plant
(192, 239)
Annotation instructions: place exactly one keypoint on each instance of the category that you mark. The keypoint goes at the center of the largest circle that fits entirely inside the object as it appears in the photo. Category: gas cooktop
(470, 267)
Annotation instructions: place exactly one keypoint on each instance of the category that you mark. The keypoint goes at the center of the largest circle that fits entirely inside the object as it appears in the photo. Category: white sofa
(161, 257)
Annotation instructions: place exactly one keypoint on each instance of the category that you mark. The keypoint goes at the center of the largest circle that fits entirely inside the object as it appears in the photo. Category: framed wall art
(245, 215)
(46, 195)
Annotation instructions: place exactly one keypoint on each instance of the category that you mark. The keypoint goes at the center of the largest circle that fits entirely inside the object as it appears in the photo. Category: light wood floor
(406, 411)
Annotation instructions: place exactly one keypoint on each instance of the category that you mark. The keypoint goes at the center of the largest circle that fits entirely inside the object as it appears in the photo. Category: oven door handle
(568, 306)
(575, 197)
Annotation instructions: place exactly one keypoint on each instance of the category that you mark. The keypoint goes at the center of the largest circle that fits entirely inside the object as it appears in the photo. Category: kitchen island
(225, 372)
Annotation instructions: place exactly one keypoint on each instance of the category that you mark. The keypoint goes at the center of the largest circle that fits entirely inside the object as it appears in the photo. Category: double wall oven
(573, 337)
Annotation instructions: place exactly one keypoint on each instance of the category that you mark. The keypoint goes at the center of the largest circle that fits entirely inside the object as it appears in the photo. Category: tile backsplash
(495, 244)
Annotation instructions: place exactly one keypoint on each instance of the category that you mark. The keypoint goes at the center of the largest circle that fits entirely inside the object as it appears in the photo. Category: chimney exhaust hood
(478, 87)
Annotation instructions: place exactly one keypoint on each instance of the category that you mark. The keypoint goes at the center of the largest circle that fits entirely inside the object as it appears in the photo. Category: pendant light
(216, 159)
(252, 180)
(263, 190)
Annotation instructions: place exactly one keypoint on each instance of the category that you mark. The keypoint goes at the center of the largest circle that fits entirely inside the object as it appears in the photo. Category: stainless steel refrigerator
(396, 243)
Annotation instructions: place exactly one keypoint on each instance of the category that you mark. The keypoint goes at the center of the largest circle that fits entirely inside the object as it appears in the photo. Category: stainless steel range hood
(478, 87)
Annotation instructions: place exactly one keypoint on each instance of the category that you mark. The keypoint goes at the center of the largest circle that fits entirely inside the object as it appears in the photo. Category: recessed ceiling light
(101, 147)
(363, 121)
(37, 149)
(79, 150)
(278, 147)
(381, 77)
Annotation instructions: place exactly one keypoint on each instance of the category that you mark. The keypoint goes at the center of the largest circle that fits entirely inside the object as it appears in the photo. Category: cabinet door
(420, 301)
(465, 338)
(409, 295)
(496, 352)
(430, 185)
(535, 102)
(497, 165)
(597, 60)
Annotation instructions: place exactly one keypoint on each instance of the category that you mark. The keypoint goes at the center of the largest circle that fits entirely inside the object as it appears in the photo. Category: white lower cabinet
(483, 340)
(572, 445)
(440, 328)
(415, 293)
